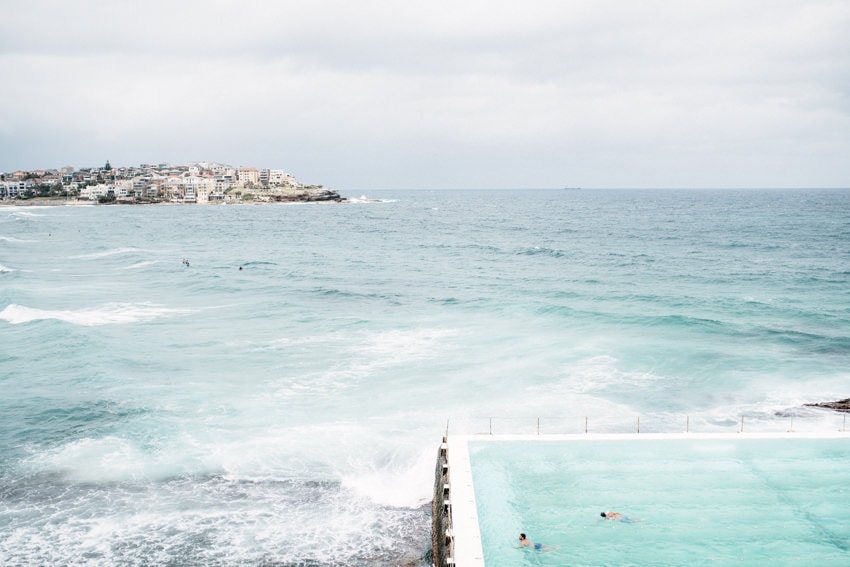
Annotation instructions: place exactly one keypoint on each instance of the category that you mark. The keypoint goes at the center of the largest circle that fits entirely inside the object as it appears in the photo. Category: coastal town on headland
(193, 183)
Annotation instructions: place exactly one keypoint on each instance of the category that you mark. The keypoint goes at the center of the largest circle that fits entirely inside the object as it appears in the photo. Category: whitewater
(281, 399)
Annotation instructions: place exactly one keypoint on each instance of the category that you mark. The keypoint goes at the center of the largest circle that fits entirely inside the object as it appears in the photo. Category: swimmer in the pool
(618, 517)
(525, 542)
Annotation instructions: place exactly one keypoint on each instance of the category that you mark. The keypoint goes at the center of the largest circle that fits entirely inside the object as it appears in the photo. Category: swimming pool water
(741, 501)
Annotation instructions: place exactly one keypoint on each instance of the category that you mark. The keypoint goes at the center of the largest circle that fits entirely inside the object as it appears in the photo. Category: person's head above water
(603, 514)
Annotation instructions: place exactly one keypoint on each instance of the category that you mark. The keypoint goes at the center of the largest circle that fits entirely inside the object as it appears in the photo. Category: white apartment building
(140, 184)
(12, 189)
(92, 192)
(124, 188)
(174, 188)
(247, 175)
(218, 169)
(222, 184)
(199, 189)
(155, 188)
(278, 177)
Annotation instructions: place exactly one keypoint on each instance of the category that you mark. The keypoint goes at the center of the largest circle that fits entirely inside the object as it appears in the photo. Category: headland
(193, 183)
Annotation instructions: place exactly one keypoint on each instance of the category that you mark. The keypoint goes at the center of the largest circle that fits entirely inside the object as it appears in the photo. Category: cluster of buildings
(200, 182)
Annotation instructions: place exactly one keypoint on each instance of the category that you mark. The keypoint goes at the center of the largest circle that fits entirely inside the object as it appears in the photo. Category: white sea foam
(355, 452)
(106, 253)
(381, 344)
(387, 349)
(111, 459)
(107, 314)
(402, 482)
(4, 269)
(362, 356)
(14, 240)
(138, 265)
(365, 199)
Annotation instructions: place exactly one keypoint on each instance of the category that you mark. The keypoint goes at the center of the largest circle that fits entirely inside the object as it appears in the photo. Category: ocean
(280, 400)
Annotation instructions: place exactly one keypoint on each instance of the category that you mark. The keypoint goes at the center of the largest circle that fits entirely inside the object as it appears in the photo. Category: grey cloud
(482, 91)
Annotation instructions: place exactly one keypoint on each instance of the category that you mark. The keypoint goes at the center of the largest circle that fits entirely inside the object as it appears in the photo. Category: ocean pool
(702, 500)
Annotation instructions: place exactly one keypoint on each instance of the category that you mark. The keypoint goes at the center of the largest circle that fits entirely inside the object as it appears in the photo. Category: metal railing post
(687, 424)
(585, 424)
(742, 425)
(638, 424)
(538, 426)
(491, 426)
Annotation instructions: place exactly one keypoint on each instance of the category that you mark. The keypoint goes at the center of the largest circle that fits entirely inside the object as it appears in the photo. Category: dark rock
(322, 194)
(312, 193)
(840, 405)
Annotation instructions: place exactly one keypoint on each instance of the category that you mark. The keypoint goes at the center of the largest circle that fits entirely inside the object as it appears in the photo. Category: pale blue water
(290, 412)
(693, 502)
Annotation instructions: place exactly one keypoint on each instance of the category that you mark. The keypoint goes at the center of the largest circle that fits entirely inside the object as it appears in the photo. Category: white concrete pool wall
(467, 547)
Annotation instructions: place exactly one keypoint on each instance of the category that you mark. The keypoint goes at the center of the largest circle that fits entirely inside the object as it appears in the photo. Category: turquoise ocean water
(289, 413)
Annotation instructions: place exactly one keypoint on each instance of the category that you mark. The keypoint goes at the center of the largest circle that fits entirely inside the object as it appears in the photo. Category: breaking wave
(107, 314)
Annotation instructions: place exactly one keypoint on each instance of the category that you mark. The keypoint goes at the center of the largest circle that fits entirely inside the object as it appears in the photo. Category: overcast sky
(360, 94)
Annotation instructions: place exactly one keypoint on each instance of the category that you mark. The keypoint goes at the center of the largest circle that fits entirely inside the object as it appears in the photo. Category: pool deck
(467, 547)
